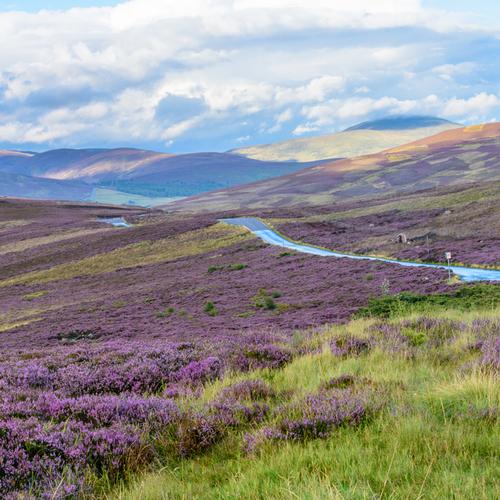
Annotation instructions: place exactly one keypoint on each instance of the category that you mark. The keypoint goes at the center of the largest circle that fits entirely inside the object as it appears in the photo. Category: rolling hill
(111, 175)
(23, 186)
(458, 156)
(365, 138)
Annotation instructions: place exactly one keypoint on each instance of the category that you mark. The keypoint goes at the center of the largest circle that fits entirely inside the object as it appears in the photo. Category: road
(264, 232)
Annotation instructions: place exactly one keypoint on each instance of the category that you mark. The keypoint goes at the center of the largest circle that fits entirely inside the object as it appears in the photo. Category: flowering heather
(262, 356)
(349, 346)
(253, 389)
(205, 370)
(315, 416)
(490, 354)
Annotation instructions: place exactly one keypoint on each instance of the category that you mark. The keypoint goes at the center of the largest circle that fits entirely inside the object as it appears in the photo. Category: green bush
(210, 309)
(467, 298)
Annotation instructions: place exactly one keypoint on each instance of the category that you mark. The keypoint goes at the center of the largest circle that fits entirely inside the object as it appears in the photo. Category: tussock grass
(428, 441)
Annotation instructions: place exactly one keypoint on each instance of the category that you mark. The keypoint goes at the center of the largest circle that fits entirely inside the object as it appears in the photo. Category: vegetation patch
(467, 298)
(35, 295)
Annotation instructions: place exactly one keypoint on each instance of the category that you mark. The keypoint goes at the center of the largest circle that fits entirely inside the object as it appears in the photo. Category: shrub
(197, 433)
(210, 309)
(212, 269)
(248, 390)
(349, 346)
(237, 267)
(165, 313)
(263, 356)
(206, 370)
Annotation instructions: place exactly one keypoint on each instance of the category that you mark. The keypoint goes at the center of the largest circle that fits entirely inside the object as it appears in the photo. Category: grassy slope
(422, 445)
(345, 144)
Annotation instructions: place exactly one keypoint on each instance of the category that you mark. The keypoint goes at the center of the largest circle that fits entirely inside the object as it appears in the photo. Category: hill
(24, 186)
(181, 349)
(134, 175)
(365, 138)
(458, 156)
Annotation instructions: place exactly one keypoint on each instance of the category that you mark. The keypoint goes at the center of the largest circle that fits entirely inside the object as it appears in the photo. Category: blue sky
(218, 74)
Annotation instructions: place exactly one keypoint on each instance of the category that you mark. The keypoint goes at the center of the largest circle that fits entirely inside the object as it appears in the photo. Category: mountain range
(456, 156)
(295, 171)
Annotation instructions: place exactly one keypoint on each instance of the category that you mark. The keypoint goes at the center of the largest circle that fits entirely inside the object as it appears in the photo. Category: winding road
(264, 232)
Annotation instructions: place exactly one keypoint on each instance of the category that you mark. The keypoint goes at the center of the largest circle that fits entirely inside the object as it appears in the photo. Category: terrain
(128, 176)
(182, 357)
(177, 344)
(149, 178)
(365, 138)
(453, 157)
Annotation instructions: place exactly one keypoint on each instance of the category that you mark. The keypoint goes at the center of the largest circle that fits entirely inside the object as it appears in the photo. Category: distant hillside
(365, 138)
(23, 186)
(91, 165)
(139, 172)
(190, 174)
(402, 123)
(469, 154)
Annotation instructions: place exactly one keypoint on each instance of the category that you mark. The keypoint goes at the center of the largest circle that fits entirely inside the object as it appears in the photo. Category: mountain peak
(401, 122)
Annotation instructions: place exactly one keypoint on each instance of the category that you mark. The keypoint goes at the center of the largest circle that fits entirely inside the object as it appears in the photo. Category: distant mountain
(458, 156)
(111, 174)
(23, 186)
(91, 165)
(186, 175)
(365, 138)
(403, 123)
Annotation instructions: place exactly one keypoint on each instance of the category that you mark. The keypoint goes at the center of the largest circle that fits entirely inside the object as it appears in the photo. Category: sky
(212, 75)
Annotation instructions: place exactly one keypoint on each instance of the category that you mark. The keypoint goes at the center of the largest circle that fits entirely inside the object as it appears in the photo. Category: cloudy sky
(197, 75)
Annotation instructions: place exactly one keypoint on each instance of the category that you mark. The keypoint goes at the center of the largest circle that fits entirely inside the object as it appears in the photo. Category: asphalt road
(263, 231)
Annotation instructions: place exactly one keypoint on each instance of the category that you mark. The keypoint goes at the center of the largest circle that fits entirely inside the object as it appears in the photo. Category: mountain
(115, 172)
(23, 186)
(189, 174)
(365, 138)
(91, 165)
(464, 155)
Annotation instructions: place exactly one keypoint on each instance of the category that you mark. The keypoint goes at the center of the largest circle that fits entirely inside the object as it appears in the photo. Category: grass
(424, 444)
(481, 296)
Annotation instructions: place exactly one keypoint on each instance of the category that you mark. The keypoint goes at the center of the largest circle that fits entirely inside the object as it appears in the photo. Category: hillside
(182, 347)
(365, 138)
(133, 175)
(453, 157)
(24, 186)
(91, 165)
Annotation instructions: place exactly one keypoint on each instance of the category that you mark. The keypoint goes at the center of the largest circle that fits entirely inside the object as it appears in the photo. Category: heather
(178, 279)
(89, 414)
(402, 418)
(179, 358)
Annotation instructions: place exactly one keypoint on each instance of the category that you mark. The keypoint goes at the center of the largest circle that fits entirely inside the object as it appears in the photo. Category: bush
(210, 309)
(237, 267)
(470, 297)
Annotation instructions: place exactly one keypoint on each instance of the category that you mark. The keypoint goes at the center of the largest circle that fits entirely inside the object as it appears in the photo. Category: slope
(468, 154)
(365, 138)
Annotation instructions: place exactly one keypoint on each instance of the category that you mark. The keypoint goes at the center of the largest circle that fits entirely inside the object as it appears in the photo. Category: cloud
(206, 73)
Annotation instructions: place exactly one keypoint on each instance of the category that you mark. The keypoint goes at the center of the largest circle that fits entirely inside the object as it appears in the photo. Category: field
(184, 358)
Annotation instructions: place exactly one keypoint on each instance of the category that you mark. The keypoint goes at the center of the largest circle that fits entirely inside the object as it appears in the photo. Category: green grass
(481, 296)
(423, 444)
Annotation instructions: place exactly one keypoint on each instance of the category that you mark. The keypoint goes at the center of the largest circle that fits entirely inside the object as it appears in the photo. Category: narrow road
(264, 232)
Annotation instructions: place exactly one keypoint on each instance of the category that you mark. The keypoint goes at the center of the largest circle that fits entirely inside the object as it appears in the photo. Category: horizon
(174, 78)
(353, 126)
